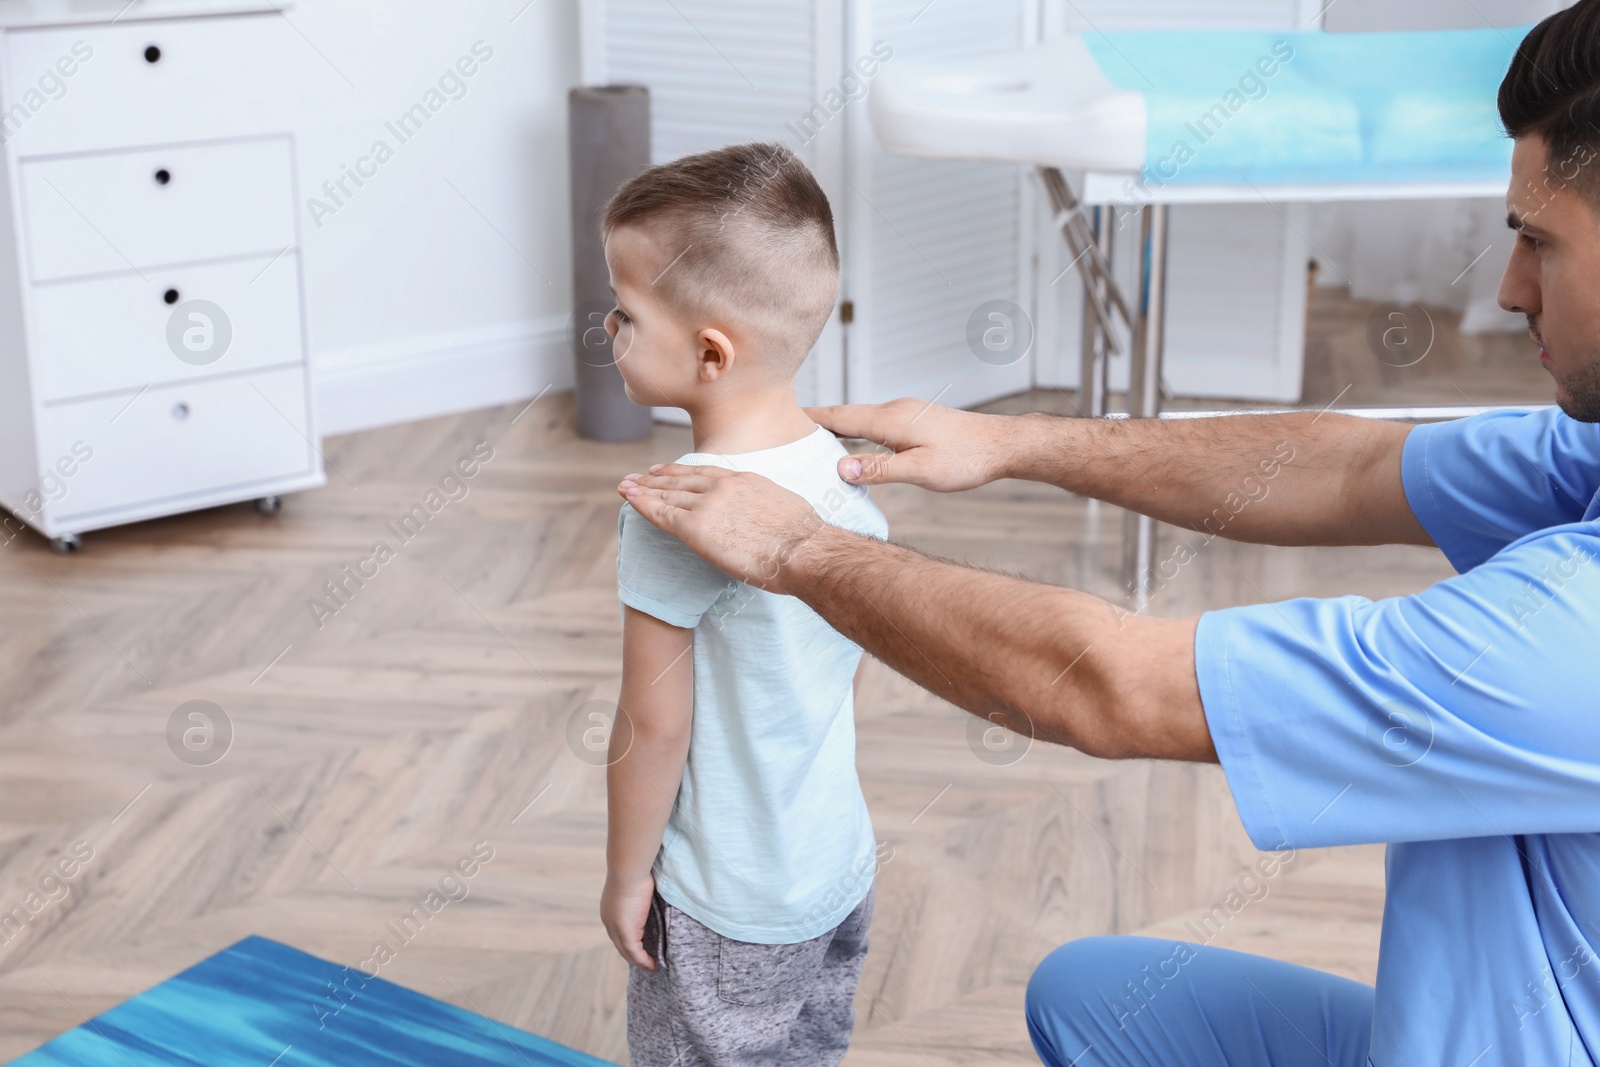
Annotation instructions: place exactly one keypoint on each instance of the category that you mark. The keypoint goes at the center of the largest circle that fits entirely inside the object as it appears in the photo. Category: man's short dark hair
(1553, 91)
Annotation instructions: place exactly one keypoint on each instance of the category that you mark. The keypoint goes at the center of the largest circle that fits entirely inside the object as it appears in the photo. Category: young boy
(739, 856)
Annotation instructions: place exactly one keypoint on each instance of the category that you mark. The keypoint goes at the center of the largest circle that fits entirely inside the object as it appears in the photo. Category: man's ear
(715, 354)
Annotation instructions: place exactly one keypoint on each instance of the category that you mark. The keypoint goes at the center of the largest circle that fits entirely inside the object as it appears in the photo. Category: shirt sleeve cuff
(656, 609)
(1231, 731)
(1417, 481)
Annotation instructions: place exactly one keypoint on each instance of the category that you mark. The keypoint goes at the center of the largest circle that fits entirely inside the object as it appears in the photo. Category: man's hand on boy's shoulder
(938, 448)
(747, 526)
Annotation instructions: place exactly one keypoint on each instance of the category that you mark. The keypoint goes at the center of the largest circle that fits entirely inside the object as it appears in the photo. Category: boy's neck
(749, 422)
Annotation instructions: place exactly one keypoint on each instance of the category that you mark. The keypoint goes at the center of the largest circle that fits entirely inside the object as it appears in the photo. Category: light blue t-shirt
(1461, 726)
(769, 840)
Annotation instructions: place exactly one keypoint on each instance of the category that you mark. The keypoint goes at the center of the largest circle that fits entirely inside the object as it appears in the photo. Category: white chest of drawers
(152, 342)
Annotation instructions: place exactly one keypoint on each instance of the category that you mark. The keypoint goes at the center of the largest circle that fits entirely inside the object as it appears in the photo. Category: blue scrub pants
(1142, 1002)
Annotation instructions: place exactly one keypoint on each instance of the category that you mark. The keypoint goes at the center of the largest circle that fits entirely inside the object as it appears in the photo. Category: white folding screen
(1236, 273)
(729, 71)
(939, 251)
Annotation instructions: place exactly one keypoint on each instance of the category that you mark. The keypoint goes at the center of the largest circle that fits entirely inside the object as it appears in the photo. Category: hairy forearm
(1293, 479)
(642, 783)
(1052, 663)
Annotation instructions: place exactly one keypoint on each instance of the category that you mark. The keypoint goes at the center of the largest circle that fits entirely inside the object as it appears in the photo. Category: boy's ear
(715, 354)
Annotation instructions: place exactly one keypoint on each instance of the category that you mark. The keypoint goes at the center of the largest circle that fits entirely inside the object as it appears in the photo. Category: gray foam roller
(608, 135)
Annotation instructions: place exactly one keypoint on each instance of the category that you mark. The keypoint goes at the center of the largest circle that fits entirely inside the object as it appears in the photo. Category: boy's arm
(649, 744)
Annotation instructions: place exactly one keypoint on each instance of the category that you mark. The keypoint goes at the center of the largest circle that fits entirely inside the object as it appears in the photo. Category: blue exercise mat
(268, 1005)
(1235, 106)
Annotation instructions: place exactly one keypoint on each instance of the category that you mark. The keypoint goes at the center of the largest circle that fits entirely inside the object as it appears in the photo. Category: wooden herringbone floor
(374, 745)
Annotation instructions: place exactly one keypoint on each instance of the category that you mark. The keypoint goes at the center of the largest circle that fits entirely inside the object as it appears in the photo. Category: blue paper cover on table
(1235, 106)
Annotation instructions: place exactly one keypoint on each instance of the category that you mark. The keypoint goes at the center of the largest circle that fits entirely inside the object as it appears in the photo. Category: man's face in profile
(1553, 276)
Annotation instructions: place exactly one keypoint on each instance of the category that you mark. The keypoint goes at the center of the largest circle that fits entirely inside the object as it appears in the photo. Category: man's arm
(1294, 479)
(649, 746)
(1052, 663)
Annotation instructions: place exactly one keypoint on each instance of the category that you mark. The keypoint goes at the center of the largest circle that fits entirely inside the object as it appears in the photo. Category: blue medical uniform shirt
(1460, 725)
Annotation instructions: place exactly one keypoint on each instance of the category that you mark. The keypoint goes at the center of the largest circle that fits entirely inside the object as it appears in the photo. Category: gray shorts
(716, 1002)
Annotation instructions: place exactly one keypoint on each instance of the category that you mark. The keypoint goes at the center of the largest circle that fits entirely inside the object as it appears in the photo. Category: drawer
(179, 440)
(127, 211)
(91, 86)
(120, 332)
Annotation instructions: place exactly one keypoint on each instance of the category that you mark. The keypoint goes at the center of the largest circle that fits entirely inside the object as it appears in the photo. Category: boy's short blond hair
(746, 237)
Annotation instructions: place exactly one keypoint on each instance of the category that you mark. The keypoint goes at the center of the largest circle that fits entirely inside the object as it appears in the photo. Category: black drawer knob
(152, 54)
(163, 176)
(170, 296)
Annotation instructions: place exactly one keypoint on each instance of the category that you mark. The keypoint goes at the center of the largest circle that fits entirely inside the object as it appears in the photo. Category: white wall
(443, 282)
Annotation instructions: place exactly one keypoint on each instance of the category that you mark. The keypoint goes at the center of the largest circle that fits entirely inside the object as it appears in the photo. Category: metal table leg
(1103, 297)
(1144, 388)
(1097, 347)
(1091, 244)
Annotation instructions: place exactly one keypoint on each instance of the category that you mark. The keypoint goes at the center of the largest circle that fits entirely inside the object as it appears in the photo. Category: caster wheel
(269, 505)
(66, 544)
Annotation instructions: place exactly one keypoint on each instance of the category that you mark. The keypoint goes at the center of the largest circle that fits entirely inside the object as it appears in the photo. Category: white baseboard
(441, 374)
